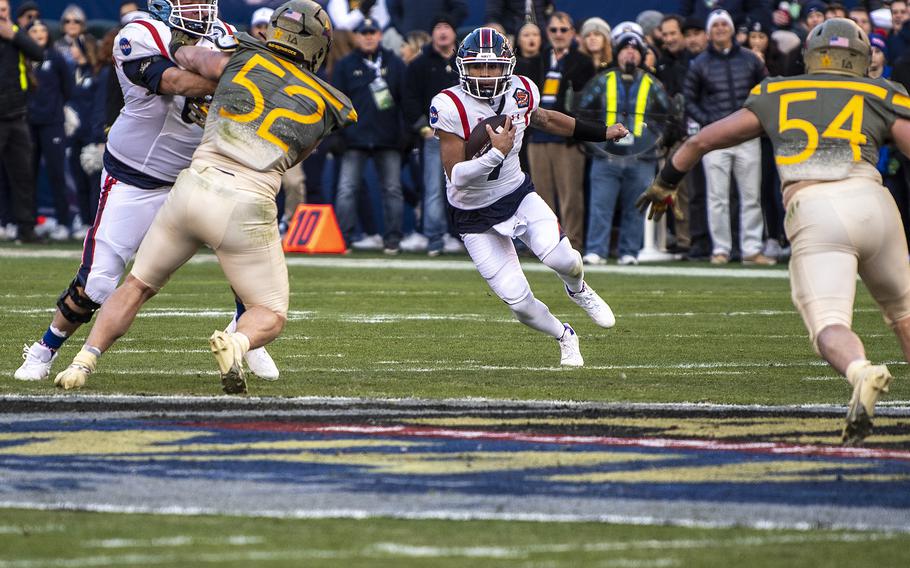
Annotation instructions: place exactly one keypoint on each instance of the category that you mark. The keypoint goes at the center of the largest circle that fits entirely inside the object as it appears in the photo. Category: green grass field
(427, 333)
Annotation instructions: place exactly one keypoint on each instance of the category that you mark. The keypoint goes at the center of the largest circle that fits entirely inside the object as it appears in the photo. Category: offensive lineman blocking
(840, 218)
(151, 142)
(267, 114)
(491, 201)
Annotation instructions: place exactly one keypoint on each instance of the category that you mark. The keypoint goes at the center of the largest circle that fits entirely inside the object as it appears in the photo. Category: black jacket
(719, 83)
(55, 87)
(672, 70)
(13, 97)
(511, 13)
(375, 129)
(425, 77)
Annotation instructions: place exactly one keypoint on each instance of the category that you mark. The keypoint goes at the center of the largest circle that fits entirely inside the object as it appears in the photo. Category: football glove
(180, 39)
(659, 197)
(197, 110)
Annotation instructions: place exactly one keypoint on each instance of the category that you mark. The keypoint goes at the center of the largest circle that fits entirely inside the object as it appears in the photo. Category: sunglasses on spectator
(562, 30)
(72, 21)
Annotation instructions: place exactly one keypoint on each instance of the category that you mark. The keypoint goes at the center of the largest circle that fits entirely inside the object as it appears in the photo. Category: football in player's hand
(478, 142)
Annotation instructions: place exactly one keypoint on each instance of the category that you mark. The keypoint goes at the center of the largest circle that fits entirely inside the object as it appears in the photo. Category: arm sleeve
(343, 18)
(29, 48)
(147, 72)
(415, 114)
(692, 90)
(67, 79)
(445, 116)
(465, 173)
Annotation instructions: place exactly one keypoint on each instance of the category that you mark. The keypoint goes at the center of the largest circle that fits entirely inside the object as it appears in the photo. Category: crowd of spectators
(664, 76)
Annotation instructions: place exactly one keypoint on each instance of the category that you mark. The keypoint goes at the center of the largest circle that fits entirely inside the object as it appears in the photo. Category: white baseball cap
(261, 16)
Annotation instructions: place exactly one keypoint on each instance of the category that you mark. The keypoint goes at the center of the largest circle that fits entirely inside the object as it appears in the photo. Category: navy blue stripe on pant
(88, 248)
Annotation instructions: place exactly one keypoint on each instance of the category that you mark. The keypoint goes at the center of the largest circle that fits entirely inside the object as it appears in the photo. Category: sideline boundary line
(457, 265)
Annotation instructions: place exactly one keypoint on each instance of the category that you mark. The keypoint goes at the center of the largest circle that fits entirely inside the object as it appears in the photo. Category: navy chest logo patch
(522, 98)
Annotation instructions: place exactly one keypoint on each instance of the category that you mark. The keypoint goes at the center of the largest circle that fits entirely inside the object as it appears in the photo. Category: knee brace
(563, 259)
(74, 316)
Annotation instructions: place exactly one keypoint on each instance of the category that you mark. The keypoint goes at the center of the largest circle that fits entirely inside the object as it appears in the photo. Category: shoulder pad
(142, 38)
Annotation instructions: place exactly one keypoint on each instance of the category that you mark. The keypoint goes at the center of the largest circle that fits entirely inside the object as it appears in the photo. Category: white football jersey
(150, 134)
(455, 111)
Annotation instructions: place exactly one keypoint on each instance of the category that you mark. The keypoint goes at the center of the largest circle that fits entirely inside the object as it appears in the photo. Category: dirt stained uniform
(267, 114)
(826, 131)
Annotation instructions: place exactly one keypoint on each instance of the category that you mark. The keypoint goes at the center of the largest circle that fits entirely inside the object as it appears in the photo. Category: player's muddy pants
(206, 206)
(838, 229)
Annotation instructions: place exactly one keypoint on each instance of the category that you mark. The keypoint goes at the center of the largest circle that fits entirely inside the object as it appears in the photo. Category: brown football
(478, 143)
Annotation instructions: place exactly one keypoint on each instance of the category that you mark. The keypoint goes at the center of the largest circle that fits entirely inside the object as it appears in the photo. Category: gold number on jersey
(852, 111)
(264, 130)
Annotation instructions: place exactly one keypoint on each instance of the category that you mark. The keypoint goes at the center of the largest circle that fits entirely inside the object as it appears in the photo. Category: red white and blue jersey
(150, 135)
(456, 112)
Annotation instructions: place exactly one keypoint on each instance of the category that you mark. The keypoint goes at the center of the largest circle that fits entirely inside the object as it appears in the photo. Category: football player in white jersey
(150, 143)
(491, 201)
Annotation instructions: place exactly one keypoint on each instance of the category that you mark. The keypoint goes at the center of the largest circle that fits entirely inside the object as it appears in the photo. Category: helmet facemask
(485, 76)
(194, 17)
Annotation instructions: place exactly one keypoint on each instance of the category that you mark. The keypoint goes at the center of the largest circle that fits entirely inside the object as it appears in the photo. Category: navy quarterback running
(151, 141)
(491, 201)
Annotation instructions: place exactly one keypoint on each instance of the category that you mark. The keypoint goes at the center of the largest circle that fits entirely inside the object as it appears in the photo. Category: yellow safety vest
(641, 101)
(23, 76)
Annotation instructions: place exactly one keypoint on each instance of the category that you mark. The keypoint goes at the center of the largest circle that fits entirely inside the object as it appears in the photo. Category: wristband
(589, 131)
(669, 175)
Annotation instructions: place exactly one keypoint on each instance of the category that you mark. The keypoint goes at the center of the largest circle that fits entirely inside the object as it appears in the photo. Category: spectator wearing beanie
(626, 94)
(72, 44)
(879, 67)
(27, 13)
(513, 14)
(595, 42)
(718, 83)
(696, 38)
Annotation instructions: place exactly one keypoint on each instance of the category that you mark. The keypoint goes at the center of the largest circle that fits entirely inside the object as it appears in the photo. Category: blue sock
(53, 338)
(240, 308)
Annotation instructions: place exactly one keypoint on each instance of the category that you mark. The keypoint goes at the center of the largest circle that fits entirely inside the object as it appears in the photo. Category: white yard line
(457, 265)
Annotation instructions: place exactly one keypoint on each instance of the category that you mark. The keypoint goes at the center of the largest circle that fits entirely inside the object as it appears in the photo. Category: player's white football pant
(258, 360)
(37, 363)
(594, 305)
(568, 347)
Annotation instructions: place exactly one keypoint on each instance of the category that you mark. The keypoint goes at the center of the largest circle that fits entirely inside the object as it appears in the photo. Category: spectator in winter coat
(718, 83)
(373, 78)
(45, 117)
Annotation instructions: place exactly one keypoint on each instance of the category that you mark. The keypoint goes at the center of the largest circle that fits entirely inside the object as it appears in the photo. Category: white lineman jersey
(150, 135)
(456, 112)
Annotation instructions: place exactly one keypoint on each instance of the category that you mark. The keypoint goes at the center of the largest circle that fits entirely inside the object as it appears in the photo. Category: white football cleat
(872, 381)
(74, 376)
(230, 363)
(568, 347)
(258, 360)
(37, 364)
(594, 305)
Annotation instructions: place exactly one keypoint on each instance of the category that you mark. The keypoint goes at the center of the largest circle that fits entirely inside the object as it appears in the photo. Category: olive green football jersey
(267, 112)
(822, 126)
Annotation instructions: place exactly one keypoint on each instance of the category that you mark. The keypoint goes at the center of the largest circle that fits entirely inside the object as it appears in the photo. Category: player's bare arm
(204, 62)
(176, 81)
(555, 122)
(735, 129)
(900, 132)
